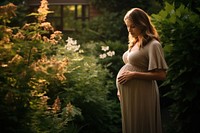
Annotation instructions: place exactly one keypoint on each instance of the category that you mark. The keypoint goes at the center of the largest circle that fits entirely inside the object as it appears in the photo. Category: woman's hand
(126, 76)
(150, 75)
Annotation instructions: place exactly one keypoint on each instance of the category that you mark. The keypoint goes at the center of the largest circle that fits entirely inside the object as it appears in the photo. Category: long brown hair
(142, 20)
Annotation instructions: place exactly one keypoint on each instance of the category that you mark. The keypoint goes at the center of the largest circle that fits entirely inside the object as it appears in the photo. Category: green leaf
(33, 14)
(168, 48)
(179, 10)
(172, 19)
(168, 7)
(163, 14)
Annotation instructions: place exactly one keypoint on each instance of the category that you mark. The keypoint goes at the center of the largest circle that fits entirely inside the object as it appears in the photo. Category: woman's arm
(151, 75)
(118, 94)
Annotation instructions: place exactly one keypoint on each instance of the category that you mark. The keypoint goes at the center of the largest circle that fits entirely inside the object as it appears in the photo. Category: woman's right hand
(125, 76)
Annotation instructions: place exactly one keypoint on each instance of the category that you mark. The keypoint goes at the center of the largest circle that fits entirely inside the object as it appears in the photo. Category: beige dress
(140, 98)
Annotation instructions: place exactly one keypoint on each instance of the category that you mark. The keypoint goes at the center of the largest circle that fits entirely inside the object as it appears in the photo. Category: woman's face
(132, 29)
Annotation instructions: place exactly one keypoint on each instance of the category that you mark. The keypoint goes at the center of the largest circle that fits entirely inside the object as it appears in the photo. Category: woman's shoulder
(153, 45)
(154, 42)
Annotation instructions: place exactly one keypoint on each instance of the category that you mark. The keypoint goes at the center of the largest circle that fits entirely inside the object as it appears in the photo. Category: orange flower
(56, 106)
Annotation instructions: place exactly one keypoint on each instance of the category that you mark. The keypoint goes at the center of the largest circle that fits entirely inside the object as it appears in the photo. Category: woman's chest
(138, 57)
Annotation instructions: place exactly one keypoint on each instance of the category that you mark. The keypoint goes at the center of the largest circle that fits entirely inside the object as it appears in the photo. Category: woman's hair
(141, 20)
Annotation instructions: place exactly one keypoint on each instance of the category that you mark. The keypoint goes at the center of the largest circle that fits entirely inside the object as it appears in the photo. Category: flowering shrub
(31, 58)
(7, 12)
(49, 84)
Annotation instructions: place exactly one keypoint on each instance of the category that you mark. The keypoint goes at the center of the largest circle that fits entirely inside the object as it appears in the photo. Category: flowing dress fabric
(139, 98)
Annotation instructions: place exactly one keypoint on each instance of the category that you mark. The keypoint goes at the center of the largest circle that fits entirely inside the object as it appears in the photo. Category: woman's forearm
(151, 75)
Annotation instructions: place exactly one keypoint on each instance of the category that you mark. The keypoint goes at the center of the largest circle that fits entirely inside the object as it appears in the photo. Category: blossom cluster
(7, 11)
(72, 45)
(106, 53)
(56, 105)
(57, 66)
(54, 38)
(43, 11)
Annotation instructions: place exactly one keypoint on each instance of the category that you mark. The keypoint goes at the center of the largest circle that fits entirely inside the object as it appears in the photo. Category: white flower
(81, 51)
(71, 41)
(76, 48)
(111, 53)
(102, 56)
(72, 45)
(4, 65)
(105, 48)
(74, 42)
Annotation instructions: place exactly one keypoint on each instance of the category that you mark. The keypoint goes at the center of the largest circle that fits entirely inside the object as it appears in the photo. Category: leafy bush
(179, 29)
(30, 61)
(112, 62)
(107, 26)
(50, 85)
(88, 88)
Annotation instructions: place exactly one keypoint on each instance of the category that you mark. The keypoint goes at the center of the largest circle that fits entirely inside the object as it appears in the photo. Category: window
(68, 17)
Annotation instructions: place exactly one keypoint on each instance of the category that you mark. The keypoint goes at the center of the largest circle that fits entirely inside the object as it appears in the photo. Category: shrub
(49, 84)
(179, 29)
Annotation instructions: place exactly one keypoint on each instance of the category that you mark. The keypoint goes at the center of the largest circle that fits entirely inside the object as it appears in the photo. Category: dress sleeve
(156, 57)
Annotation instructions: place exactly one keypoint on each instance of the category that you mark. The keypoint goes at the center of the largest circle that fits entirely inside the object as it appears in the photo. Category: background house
(68, 14)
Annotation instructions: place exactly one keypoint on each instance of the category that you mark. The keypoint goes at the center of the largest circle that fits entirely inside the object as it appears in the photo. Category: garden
(52, 82)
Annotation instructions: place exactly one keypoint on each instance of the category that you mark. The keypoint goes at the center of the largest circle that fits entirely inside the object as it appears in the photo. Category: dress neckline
(134, 48)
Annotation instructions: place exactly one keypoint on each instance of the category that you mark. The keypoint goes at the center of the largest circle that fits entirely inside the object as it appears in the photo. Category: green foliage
(6, 13)
(30, 61)
(109, 25)
(113, 63)
(118, 6)
(88, 89)
(112, 21)
(179, 29)
(50, 85)
(53, 121)
(192, 5)
(103, 27)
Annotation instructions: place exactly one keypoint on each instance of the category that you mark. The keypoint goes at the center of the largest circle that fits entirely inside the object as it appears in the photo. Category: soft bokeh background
(58, 64)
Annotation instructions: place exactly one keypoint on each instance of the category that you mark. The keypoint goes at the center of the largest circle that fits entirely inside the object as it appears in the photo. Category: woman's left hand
(126, 76)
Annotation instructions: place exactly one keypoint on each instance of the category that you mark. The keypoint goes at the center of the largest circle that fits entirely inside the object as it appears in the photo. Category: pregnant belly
(126, 67)
(134, 82)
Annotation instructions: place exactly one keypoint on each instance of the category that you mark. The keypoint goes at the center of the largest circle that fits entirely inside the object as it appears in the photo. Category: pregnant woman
(136, 81)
